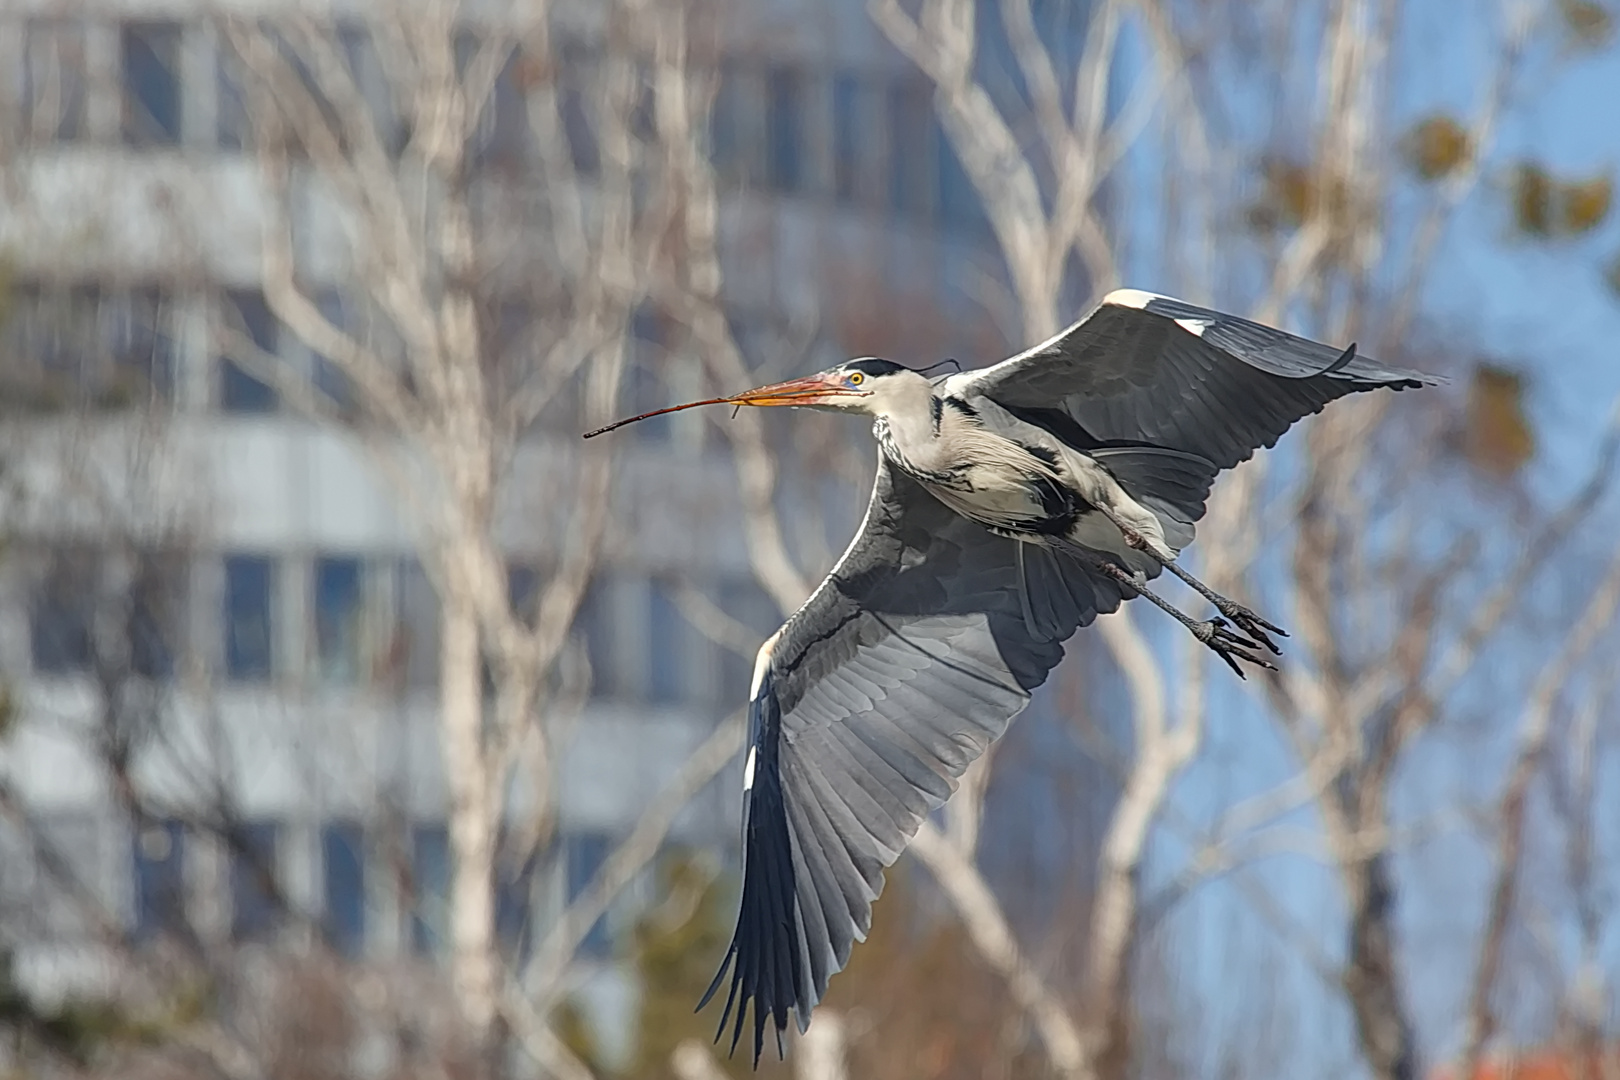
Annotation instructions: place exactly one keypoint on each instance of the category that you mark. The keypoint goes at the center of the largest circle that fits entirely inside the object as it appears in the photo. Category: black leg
(1245, 619)
(1228, 646)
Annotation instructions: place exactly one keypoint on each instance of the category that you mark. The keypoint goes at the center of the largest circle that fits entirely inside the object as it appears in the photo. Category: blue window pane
(343, 858)
(523, 590)
(667, 632)
(784, 125)
(239, 392)
(249, 654)
(338, 608)
(416, 637)
(253, 881)
(232, 130)
(430, 889)
(849, 138)
(910, 115)
(959, 204)
(151, 55)
(594, 623)
(514, 901)
(158, 864)
(330, 381)
(60, 616)
(733, 145)
(54, 79)
(156, 614)
(142, 351)
(584, 854)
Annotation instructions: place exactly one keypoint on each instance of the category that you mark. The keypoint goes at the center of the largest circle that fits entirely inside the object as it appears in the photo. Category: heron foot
(1250, 623)
(1230, 647)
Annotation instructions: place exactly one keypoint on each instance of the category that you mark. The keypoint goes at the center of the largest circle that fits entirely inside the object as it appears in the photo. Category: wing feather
(1147, 368)
(899, 671)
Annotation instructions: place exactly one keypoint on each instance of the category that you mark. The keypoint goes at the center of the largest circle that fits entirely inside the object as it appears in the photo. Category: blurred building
(130, 229)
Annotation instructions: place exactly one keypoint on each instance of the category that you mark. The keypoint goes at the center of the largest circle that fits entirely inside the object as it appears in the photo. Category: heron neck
(910, 429)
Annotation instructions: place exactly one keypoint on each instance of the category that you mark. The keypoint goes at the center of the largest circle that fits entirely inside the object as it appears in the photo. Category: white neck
(906, 409)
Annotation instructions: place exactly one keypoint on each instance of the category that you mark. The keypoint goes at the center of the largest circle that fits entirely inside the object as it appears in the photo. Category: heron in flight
(1012, 505)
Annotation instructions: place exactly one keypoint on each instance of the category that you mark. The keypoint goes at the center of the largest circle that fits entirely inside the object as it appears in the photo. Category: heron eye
(856, 379)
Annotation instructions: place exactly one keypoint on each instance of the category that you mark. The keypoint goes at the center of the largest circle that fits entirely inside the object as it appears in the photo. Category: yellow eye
(856, 379)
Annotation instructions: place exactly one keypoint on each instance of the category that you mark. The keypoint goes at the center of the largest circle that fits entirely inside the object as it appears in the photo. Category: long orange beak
(810, 390)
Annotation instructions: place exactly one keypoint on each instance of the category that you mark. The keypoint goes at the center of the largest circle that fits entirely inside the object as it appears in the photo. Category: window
(62, 613)
(156, 614)
(87, 346)
(151, 57)
(339, 605)
(329, 379)
(667, 634)
(503, 140)
(67, 856)
(430, 888)
(54, 80)
(647, 390)
(365, 65)
(514, 902)
(523, 591)
(959, 205)
(343, 860)
(134, 327)
(254, 889)
(733, 144)
(910, 122)
(249, 651)
(415, 653)
(246, 314)
(232, 128)
(784, 126)
(159, 872)
(584, 854)
(594, 624)
(747, 603)
(850, 113)
(579, 69)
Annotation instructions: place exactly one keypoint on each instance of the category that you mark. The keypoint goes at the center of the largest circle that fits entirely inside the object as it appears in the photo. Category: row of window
(108, 346)
(354, 863)
(852, 137)
(362, 622)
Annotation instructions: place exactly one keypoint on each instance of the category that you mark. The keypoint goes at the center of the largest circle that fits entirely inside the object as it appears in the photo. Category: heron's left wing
(898, 672)
(1153, 369)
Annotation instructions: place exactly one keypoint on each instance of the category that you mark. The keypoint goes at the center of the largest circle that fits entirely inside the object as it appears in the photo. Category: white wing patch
(748, 770)
(1195, 327)
(762, 660)
(1131, 298)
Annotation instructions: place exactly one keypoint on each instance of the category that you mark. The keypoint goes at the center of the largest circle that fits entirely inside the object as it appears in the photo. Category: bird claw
(1230, 647)
(1252, 625)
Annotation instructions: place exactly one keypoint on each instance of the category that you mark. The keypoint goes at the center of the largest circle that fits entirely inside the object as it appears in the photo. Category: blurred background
(358, 719)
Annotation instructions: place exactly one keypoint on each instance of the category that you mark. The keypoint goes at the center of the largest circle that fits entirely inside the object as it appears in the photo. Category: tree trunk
(472, 809)
(1370, 979)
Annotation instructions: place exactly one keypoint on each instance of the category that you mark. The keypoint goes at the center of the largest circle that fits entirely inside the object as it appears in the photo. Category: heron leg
(1244, 618)
(1228, 646)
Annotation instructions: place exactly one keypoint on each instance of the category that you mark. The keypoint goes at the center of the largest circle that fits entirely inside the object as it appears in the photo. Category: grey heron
(1012, 505)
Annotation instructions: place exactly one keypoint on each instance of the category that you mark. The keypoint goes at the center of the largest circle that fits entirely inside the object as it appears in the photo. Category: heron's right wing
(1147, 368)
(898, 672)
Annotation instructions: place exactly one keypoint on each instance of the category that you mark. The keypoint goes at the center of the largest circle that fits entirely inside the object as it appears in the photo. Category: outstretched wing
(898, 672)
(1147, 368)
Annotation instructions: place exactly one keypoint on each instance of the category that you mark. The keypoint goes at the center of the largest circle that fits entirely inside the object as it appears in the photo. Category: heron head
(864, 385)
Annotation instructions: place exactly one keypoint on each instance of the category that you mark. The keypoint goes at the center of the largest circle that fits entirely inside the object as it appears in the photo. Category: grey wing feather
(905, 664)
(1147, 368)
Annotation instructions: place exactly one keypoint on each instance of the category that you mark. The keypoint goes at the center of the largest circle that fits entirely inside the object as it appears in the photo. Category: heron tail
(1171, 483)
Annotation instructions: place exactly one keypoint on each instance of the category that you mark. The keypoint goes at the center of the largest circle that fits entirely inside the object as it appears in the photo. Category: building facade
(251, 580)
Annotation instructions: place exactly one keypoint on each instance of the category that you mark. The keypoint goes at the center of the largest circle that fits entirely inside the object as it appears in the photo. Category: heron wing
(898, 672)
(1148, 368)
